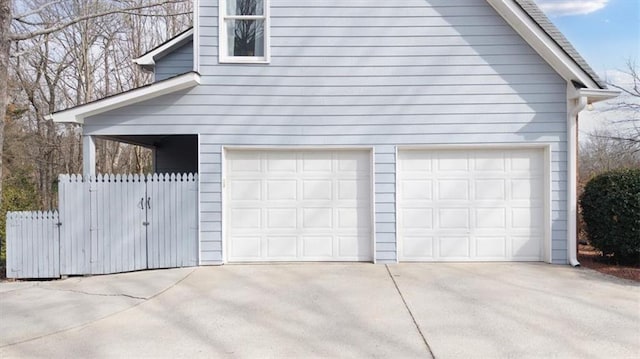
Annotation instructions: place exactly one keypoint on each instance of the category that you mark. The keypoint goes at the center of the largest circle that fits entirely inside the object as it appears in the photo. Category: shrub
(611, 211)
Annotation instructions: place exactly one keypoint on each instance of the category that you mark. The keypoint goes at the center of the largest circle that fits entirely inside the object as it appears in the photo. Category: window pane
(246, 37)
(245, 7)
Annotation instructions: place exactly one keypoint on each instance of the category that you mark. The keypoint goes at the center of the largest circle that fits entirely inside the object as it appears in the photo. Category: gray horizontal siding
(365, 72)
(175, 63)
(210, 203)
(384, 205)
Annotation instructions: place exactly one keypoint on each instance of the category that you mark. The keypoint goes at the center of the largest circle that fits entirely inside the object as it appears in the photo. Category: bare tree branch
(69, 22)
(37, 10)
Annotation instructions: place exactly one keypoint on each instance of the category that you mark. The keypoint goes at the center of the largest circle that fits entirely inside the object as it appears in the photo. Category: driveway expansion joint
(413, 318)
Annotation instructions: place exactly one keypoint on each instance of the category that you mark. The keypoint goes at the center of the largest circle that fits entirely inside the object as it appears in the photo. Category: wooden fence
(33, 245)
(119, 223)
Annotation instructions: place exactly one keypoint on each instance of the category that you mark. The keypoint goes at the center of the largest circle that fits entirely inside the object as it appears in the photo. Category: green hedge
(611, 211)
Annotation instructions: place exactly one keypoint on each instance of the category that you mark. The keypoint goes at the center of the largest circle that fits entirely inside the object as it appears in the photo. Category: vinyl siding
(369, 73)
(175, 63)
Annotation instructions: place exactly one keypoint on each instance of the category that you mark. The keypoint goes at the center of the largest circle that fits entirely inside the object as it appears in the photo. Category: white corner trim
(79, 113)
(541, 42)
(148, 59)
(196, 35)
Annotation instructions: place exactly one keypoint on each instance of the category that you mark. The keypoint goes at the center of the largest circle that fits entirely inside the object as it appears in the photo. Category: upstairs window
(244, 31)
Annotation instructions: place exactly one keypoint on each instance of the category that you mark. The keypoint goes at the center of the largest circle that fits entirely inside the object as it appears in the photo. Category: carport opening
(148, 154)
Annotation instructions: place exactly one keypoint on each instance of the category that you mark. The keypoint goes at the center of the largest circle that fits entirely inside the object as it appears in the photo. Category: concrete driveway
(326, 310)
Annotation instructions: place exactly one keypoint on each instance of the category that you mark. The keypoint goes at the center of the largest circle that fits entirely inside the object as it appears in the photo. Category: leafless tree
(628, 106)
(67, 52)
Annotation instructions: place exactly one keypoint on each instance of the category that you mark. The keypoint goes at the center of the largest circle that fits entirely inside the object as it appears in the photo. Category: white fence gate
(33, 245)
(115, 223)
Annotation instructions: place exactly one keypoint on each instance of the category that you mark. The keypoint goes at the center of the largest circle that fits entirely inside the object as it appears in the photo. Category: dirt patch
(589, 257)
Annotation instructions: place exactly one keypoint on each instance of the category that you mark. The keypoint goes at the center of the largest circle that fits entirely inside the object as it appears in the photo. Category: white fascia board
(148, 59)
(546, 47)
(79, 113)
(595, 95)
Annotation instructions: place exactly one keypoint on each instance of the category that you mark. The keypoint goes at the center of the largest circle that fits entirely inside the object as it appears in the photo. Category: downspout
(576, 105)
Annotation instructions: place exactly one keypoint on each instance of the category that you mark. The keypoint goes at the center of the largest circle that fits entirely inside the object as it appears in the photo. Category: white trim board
(148, 59)
(79, 113)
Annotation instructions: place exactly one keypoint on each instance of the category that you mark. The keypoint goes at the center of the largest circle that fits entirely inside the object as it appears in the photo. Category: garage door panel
(417, 218)
(494, 219)
(298, 206)
(281, 162)
(282, 247)
(415, 161)
(490, 161)
(353, 189)
(488, 205)
(317, 218)
(353, 247)
(246, 218)
(245, 190)
(453, 161)
(489, 247)
(353, 162)
(353, 218)
(453, 247)
(453, 218)
(282, 218)
(244, 162)
(317, 246)
(281, 190)
(453, 189)
(490, 189)
(525, 248)
(317, 189)
(246, 247)
(527, 161)
(526, 188)
(316, 162)
(417, 190)
(528, 218)
(417, 247)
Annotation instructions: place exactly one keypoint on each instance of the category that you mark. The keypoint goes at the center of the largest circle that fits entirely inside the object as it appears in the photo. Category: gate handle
(141, 204)
(148, 202)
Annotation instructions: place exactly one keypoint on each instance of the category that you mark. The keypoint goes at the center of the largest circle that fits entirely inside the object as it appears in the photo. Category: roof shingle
(536, 14)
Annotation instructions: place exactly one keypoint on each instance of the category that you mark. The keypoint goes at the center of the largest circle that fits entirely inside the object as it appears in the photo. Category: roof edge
(533, 33)
(79, 113)
(148, 59)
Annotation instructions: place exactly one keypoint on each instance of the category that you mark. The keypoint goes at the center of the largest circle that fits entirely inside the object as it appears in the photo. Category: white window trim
(223, 56)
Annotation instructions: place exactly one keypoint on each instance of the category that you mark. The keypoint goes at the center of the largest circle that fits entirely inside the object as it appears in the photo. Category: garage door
(471, 205)
(298, 206)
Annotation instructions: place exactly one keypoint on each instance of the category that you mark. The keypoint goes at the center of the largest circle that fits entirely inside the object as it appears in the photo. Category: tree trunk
(5, 44)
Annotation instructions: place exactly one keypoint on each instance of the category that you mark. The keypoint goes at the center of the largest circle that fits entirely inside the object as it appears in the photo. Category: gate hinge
(145, 223)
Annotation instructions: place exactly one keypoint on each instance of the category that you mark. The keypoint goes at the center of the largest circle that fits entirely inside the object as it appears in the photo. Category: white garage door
(471, 205)
(298, 206)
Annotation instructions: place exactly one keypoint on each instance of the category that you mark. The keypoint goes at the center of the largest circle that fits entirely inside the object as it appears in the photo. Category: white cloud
(571, 7)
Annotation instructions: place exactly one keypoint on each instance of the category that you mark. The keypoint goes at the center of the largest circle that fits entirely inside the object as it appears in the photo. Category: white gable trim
(149, 59)
(79, 113)
(522, 23)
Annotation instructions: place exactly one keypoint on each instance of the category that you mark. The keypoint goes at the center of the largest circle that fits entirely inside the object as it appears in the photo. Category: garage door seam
(415, 323)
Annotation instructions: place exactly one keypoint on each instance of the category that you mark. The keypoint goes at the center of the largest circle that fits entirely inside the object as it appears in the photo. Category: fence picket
(102, 227)
(32, 238)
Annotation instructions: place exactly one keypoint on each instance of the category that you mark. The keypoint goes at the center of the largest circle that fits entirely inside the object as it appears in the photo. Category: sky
(607, 34)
